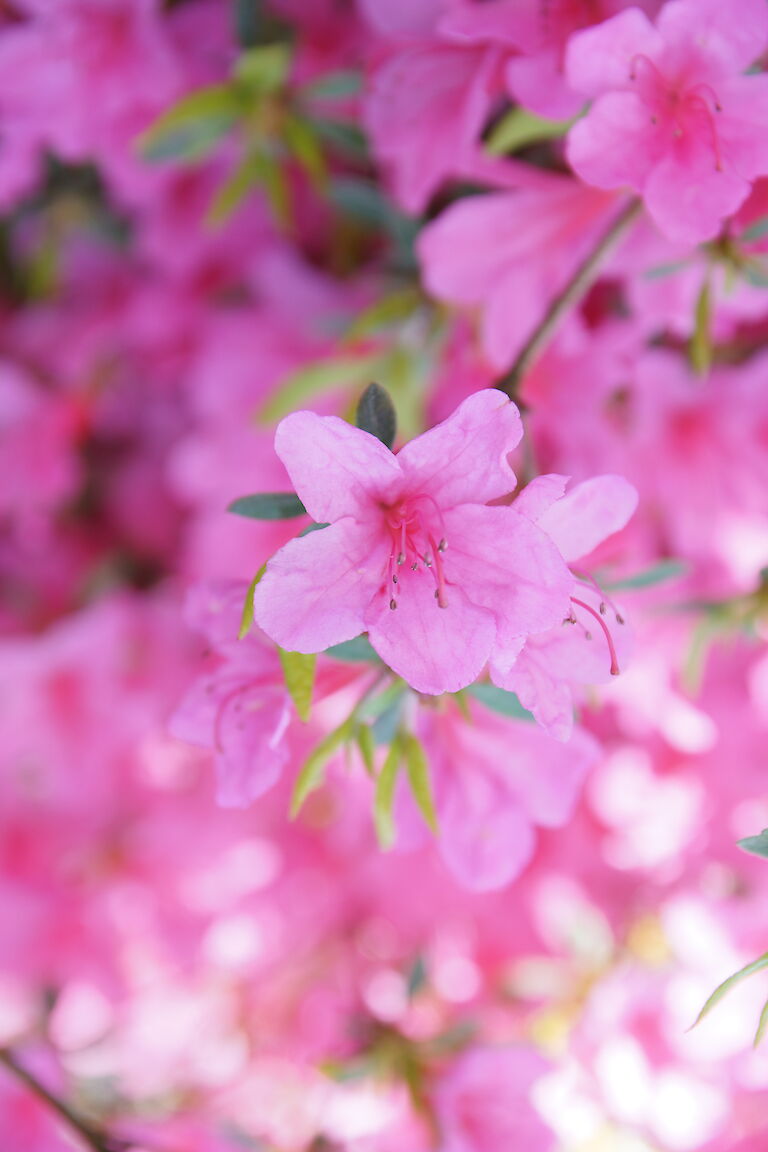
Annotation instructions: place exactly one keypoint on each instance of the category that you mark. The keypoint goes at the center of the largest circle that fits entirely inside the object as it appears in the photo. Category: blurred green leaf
(499, 700)
(762, 1025)
(249, 19)
(246, 621)
(357, 651)
(263, 70)
(700, 349)
(756, 845)
(268, 506)
(320, 376)
(192, 127)
(384, 796)
(304, 145)
(386, 724)
(299, 673)
(268, 173)
(417, 977)
(367, 746)
(232, 192)
(517, 128)
(385, 313)
(726, 986)
(662, 270)
(334, 85)
(756, 231)
(656, 574)
(343, 135)
(418, 776)
(312, 774)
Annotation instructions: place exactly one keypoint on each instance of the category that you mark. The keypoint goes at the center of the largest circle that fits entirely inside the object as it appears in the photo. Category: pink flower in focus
(673, 116)
(413, 555)
(592, 644)
(240, 708)
(483, 1104)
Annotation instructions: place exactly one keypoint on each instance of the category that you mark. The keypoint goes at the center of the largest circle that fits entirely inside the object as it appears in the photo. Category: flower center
(417, 533)
(688, 111)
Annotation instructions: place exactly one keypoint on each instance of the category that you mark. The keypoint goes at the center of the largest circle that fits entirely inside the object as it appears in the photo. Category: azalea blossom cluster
(384, 575)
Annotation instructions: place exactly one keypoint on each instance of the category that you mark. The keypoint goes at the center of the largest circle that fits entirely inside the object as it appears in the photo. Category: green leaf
(418, 776)
(518, 128)
(756, 275)
(264, 69)
(193, 127)
(357, 651)
(661, 270)
(299, 673)
(270, 176)
(762, 1025)
(724, 988)
(321, 376)
(334, 86)
(268, 506)
(700, 348)
(656, 574)
(311, 776)
(376, 706)
(384, 797)
(385, 313)
(246, 621)
(312, 528)
(417, 977)
(249, 22)
(498, 700)
(343, 135)
(755, 231)
(303, 144)
(386, 724)
(232, 192)
(756, 845)
(376, 414)
(367, 746)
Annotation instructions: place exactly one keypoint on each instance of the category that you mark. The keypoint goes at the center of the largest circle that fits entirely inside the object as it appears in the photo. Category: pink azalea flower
(240, 708)
(483, 1104)
(508, 254)
(673, 116)
(592, 644)
(413, 555)
(495, 783)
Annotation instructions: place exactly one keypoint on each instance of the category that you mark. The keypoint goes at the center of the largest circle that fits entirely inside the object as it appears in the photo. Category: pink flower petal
(588, 514)
(600, 58)
(337, 469)
(615, 145)
(720, 34)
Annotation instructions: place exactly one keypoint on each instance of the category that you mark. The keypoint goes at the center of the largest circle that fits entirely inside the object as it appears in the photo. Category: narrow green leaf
(755, 231)
(498, 700)
(249, 21)
(343, 135)
(312, 528)
(193, 126)
(418, 776)
(417, 977)
(268, 506)
(385, 313)
(367, 746)
(518, 128)
(264, 69)
(700, 348)
(662, 270)
(376, 414)
(299, 673)
(246, 621)
(303, 143)
(657, 574)
(321, 376)
(357, 651)
(268, 173)
(762, 1025)
(232, 192)
(384, 797)
(756, 845)
(334, 86)
(724, 988)
(311, 776)
(376, 706)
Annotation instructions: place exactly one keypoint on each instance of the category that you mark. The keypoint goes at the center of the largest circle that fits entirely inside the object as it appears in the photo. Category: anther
(619, 619)
(393, 603)
(428, 561)
(442, 545)
(602, 608)
(414, 567)
(587, 635)
(394, 577)
(401, 558)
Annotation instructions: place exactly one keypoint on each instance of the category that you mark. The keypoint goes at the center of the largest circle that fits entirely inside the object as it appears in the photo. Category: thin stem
(570, 296)
(94, 1139)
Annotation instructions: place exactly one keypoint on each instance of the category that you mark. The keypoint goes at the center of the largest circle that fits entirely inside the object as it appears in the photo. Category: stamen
(393, 603)
(443, 545)
(615, 670)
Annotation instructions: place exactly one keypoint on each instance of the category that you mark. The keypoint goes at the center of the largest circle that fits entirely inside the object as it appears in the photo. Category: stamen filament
(615, 670)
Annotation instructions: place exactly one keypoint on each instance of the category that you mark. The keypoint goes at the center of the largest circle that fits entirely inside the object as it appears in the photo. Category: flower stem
(573, 291)
(91, 1137)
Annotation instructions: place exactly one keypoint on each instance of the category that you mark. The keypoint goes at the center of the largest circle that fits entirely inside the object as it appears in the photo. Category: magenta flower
(673, 117)
(413, 555)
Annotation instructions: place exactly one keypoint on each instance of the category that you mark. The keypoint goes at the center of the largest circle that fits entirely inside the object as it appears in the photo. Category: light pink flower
(592, 644)
(508, 254)
(673, 115)
(240, 708)
(413, 555)
(483, 1104)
